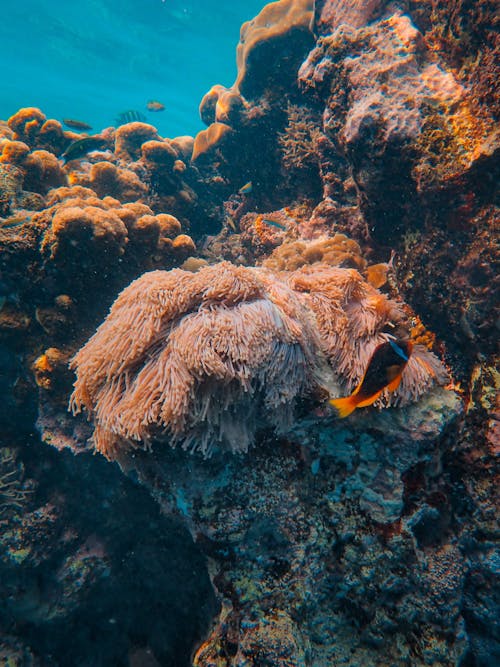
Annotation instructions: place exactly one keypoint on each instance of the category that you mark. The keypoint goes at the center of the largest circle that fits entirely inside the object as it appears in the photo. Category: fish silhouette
(130, 116)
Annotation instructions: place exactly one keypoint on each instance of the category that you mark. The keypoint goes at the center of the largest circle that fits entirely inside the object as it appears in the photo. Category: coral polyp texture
(212, 356)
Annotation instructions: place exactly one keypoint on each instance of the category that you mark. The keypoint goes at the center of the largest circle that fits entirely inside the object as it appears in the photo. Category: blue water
(93, 59)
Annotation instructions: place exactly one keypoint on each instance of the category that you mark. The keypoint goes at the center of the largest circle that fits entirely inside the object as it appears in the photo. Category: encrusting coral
(82, 228)
(337, 250)
(208, 357)
(262, 39)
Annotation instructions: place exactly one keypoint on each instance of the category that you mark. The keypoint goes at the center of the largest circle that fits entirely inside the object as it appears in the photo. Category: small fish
(130, 116)
(76, 124)
(273, 223)
(246, 189)
(154, 105)
(82, 147)
(384, 369)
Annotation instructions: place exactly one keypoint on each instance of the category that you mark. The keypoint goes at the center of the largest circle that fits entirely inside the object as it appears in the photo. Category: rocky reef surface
(358, 137)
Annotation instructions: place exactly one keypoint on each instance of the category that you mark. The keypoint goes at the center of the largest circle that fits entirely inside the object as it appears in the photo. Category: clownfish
(384, 370)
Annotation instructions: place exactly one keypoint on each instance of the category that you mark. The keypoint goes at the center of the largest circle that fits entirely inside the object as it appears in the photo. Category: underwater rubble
(200, 299)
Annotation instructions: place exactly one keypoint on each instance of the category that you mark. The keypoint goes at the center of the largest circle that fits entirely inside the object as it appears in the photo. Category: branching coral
(13, 492)
(299, 140)
(207, 358)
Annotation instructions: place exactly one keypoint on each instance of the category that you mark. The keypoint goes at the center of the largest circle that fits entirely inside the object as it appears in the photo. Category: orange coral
(183, 245)
(52, 137)
(420, 334)
(14, 152)
(159, 153)
(129, 139)
(169, 225)
(209, 102)
(43, 172)
(260, 37)
(84, 230)
(106, 178)
(222, 105)
(49, 367)
(5, 131)
(208, 357)
(183, 146)
(26, 123)
(338, 250)
(207, 140)
(91, 232)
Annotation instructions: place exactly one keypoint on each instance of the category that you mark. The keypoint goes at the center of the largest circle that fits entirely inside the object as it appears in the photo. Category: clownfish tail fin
(344, 406)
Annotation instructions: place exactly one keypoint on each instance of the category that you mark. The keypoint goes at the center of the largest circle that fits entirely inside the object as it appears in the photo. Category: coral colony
(209, 308)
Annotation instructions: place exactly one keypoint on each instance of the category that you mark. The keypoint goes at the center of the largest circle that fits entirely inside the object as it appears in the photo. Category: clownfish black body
(384, 370)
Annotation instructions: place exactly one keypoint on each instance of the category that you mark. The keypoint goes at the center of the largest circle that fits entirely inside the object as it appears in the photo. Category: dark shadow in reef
(114, 579)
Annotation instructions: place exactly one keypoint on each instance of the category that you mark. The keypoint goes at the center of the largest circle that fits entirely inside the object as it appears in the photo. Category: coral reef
(357, 151)
(69, 564)
(346, 494)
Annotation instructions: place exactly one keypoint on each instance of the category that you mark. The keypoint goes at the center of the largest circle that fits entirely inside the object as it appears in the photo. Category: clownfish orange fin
(369, 401)
(392, 386)
(344, 406)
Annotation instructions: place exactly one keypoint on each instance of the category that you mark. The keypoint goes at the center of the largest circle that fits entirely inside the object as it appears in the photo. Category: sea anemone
(205, 359)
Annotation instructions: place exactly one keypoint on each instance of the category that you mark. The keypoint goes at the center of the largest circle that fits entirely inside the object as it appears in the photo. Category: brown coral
(26, 123)
(129, 139)
(49, 367)
(208, 357)
(14, 152)
(183, 146)
(81, 229)
(222, 105)
(159, 153)
(271, 43)
(106, 178)
(335, 251)
(86, 230)
(207, 140)
(299, 141)
(43, 171)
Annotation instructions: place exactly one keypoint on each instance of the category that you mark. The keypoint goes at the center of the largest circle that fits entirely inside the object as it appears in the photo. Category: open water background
(93, 59)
